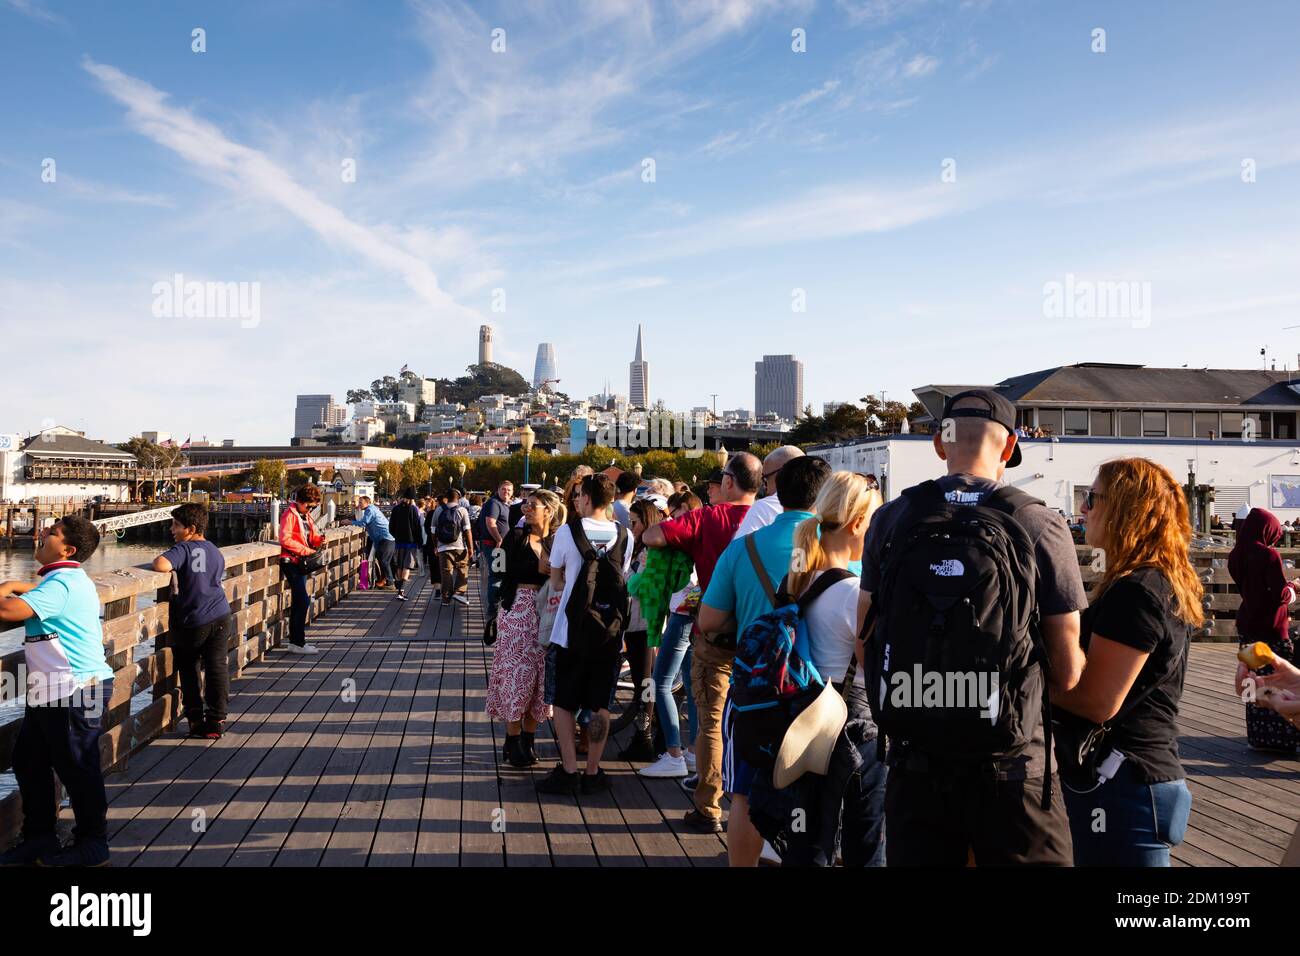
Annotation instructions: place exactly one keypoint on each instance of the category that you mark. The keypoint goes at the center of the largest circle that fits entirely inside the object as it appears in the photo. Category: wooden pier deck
(378, 752)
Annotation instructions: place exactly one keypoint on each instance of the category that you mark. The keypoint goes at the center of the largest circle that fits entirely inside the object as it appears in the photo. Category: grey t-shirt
(1060, 584)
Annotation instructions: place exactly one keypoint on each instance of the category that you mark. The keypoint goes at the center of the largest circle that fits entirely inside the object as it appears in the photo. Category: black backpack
(598, 609)
(955, 670)
(448, 526)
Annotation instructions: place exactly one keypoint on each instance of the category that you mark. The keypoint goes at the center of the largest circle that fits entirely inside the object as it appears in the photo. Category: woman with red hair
(1117, 743)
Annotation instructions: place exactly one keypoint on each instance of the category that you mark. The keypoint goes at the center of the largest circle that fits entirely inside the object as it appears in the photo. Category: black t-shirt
(1138, 611)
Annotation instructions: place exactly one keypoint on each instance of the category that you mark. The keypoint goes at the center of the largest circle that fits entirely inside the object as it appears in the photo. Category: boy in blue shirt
(201, 622)
(69, 686)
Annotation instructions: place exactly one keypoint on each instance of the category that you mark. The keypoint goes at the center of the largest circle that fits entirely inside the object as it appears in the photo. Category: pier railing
(138, 646)
(1222, 599)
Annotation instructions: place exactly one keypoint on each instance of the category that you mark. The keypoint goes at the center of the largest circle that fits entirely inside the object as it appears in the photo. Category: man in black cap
(1002, 813)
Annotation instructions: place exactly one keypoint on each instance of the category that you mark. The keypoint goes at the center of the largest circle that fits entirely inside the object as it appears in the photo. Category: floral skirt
(515, 684)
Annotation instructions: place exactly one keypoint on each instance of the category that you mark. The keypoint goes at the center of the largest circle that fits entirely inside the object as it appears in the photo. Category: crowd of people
(918, 682)
(681, 586)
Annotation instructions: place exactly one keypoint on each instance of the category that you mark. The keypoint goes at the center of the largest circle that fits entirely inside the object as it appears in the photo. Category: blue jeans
(1139, 824)
(675, 646)
(490, 583)
(384, 552)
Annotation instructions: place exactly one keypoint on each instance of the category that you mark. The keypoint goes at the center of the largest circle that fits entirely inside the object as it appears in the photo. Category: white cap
(1243, 512)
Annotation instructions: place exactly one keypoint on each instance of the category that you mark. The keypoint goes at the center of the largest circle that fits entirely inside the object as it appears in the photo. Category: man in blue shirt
(385, 545)
(201, 622)
(69, 686)
(736, 594)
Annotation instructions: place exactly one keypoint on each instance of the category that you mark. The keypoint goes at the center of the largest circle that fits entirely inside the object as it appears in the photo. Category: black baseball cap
(998, 409)
(715, 477)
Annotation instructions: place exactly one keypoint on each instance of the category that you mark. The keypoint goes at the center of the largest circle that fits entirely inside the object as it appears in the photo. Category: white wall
(1067, 463)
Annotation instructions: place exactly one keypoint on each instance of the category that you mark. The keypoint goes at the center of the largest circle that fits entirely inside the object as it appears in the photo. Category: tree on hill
(487, 379)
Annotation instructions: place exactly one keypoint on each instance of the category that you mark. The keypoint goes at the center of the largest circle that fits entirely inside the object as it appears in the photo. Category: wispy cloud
(250, 173)
(34, 9)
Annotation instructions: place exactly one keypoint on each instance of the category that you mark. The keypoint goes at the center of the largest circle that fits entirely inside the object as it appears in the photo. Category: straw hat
(810, 739)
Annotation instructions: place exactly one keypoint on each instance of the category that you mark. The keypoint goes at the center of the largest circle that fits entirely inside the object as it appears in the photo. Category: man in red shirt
(704, 534)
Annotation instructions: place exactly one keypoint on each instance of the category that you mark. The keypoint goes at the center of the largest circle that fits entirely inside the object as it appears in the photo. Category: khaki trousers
(710, 682)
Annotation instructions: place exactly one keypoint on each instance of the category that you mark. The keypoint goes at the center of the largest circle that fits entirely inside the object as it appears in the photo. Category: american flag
(186, 443)
(405, 369)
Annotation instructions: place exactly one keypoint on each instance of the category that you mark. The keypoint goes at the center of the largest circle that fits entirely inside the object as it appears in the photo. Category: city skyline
(896, 191)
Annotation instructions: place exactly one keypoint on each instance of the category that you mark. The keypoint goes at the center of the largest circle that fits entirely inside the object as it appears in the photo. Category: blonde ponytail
(842, 499)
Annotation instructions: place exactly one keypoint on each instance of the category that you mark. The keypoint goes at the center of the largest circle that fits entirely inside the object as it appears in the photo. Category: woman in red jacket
(299, 539)
(1266, 597)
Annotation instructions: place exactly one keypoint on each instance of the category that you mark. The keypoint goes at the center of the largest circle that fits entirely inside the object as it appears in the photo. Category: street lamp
(636, 469)
(460, 474)
(526, 438)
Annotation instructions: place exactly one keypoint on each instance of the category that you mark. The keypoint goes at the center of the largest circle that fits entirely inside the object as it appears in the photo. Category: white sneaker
(689, 757)
(401, 596)
(304, 649)
(666, 766)
(460, 599)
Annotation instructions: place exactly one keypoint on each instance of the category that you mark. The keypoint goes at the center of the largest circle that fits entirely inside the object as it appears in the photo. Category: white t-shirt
(461, 519)
(760, 514)
(833, 629)
(564, 554)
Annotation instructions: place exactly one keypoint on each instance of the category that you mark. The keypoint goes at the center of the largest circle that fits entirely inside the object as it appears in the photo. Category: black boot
(641, 747)
(515, 753)
(626, 718)
(526, 742)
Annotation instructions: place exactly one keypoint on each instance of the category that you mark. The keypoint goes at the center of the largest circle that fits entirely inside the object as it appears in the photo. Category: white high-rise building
(638, 391)
(544, 368)
(484, 344)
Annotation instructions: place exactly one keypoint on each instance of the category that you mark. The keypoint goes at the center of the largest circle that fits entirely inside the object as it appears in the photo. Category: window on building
(1284, 426)
(1049, 420)
(1263, 424)
(1231, 424)
(1153, 425)
(1207, 425)
(1076, 421)
(1102, 423)
(1130, 424)
(1180, 424)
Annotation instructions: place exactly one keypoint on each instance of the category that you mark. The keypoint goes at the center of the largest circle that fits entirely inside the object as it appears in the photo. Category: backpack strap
(825, 581)
(581, 541)
(751, 548)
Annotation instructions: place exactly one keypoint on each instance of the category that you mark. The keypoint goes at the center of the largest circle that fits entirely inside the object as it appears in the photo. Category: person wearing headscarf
(1266, 597)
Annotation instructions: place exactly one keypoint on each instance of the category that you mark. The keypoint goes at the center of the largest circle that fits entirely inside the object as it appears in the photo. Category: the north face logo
(950, 568)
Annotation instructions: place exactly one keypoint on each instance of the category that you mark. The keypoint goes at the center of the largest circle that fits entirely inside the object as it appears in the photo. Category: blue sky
(522, 171)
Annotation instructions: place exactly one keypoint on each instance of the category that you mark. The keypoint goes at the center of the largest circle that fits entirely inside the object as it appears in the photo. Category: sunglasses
(1090, 498)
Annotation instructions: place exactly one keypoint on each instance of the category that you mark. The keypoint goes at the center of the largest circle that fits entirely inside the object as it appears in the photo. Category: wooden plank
(311, 741)
(275, 751)
(246, 758)
(399, 823)
(438, 837)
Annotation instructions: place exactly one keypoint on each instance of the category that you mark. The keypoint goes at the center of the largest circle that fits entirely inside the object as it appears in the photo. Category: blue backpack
(773, 677)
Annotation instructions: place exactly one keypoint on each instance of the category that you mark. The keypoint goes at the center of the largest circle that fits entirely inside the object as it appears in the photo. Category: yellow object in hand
(1256, 655)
